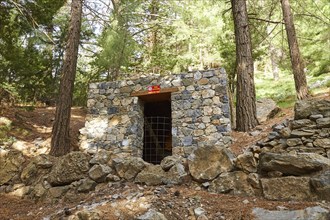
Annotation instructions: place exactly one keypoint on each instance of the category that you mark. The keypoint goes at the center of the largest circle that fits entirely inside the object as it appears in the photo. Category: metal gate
(157, 138)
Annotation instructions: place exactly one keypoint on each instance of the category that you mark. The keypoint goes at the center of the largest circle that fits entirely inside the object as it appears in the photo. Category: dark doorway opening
(157, 142)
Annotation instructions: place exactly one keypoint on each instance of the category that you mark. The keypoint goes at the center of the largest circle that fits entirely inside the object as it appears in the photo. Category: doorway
(157, 142)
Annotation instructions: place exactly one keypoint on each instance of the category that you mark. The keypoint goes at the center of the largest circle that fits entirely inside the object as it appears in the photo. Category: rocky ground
(123, 200)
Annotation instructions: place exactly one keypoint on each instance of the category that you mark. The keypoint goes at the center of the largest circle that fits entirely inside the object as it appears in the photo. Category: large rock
(266, 109)
(151, 175)
(69, 168)
(207, 162)
(321, 184)
(235, 183)
(176, 175)
(305, 108)
(152, 215)
(247, 162)
(10, 166)
(101, 157)
(170, 161)
(37, 168)
(310, 213)
(287, 188)
(86, 185)
(128, 168)
(99, 172)
(288, 164)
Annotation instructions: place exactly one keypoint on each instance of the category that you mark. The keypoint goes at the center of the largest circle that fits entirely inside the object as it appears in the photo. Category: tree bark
(60, 143)
(246, 113)
(296, 61)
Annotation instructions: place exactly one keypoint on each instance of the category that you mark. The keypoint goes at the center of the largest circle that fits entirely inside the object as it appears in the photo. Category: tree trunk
(296, 61)
(246, 118)
(60, 143)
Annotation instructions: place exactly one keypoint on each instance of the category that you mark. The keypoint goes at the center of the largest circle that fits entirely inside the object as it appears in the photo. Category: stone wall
(200, 113)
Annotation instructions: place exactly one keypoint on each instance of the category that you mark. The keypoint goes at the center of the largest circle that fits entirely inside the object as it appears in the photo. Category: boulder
(321, 184)
(10, 166)
(176, 175)
(69, 168)
(306, 108)
(170, 161)
(152, 215)
(87, 214)
(247, 162)
(323, 122)
(58, 191)
(310, 213)
(86, 185)
(37, 168)
(101, 157)
(289, 164)
(266, 109)
(287, 188)
(128, 168)
(207, 162)
(99, 172)
(151, 175)
(235, 183)
(302, 123)
(322, 142)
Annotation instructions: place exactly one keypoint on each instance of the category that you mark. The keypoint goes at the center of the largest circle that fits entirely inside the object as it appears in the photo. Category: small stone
(315, 117)
(254, 133)
(245, 201)
(199, 211)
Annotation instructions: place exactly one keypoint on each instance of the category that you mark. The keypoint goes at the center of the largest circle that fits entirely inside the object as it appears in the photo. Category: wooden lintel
(165, 90)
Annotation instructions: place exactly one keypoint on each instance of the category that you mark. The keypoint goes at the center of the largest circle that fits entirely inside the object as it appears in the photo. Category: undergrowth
(283, 90)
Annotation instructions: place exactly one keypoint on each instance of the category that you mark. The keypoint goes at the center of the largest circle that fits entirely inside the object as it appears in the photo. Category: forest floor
(175, 202)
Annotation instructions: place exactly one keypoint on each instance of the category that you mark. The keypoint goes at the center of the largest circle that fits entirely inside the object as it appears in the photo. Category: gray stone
(152, 215)
(176, 175)
(323, 122)
(287, 188)
(38, 191)
(207, 162)
(247, 162)
(314, 117)
(310, 213)
(233, 183)
(101, 156)
(321, 184)
(99, 172)
(293, 142)
(322, 142)
(128, 168)
(288, 164)
(305, 108)
(10, 166)
(87, 214)
(302, 123)
(302, 133)
(266, 109)
(199, 211)
(86, 185)
(170, 161)
(69, 168)
(151, 175)
(58, 191)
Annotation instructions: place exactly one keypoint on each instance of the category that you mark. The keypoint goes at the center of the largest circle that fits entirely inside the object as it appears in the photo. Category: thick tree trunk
(246, 118)
(60, 143)
(296, 61)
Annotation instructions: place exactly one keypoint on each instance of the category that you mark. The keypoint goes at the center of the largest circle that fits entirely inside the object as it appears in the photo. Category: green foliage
(155, 36)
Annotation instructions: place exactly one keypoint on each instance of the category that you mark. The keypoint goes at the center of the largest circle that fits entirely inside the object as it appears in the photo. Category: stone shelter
(154, 116)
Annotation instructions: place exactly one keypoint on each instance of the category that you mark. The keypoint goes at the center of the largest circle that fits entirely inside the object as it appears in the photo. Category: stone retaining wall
(200, 113)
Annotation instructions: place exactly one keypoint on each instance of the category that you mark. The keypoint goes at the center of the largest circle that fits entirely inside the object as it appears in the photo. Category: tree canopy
(135, 36)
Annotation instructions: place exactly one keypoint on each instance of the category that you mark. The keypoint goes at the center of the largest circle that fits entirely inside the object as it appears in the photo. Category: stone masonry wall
(200, 113)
